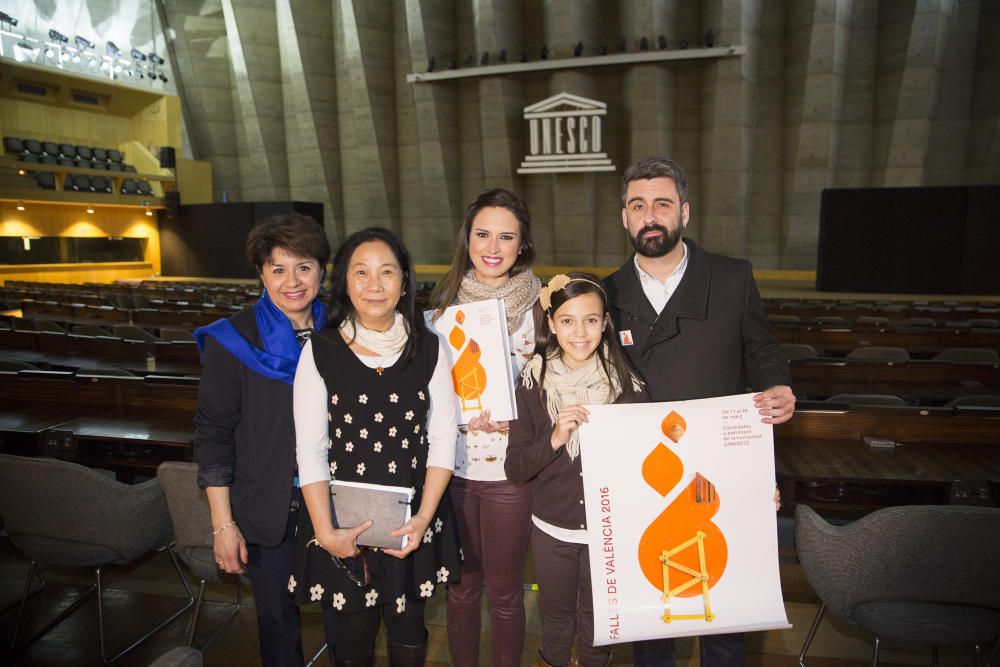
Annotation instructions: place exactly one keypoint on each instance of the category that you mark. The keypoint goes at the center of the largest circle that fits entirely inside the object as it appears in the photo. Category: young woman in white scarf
(493, 259)
(577, 362)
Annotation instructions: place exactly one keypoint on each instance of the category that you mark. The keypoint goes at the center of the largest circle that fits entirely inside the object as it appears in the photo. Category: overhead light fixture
(90, 210)
(20, 206)
(57, 36)
(83, 43)
(20, 172)
(149, 212)
(50, 52)
(155, 59)
(138, 55)
(163, 77)
(112, 49)
(8, 19)
(24, 52)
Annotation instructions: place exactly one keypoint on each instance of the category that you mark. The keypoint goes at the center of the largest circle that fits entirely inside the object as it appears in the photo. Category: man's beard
(657, 246)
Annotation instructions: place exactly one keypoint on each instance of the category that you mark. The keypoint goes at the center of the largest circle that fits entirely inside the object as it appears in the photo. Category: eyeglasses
(348, 571)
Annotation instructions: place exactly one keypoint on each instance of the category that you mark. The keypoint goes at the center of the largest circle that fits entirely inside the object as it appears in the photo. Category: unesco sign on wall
(565, 136)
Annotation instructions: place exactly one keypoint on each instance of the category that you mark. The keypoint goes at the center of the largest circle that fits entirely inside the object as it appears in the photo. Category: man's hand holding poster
(681, 520)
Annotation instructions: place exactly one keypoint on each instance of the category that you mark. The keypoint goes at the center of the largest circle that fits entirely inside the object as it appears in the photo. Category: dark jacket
(711, 339)
(556, 481)
(245, 437)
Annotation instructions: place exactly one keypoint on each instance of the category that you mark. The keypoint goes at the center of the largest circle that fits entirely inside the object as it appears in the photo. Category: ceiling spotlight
(65, 56)
(118, 69)
(90, 210)
(112, 49)
(20, 206)
(149, 212)
(76, 57)
(50, 52)
(57, 36)
(163, 77)
(25, 52)
(8, 19)
(153, 58)
(21, 172)
(83, 43)
(105, 66)
(138, 55)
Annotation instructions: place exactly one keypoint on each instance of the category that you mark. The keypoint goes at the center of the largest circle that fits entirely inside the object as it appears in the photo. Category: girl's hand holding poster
(681, 520)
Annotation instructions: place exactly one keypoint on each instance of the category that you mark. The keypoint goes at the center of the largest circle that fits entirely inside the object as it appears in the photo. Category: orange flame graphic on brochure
(468, 375)
(683, 536)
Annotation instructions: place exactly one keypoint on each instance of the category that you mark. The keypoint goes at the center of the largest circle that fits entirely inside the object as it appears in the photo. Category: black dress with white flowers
(378, 435)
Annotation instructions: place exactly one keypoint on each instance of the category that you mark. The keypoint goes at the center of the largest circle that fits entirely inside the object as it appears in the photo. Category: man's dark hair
(299, 234)
(656, 167)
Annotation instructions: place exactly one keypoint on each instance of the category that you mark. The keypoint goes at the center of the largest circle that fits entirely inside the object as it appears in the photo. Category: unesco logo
(565, 136)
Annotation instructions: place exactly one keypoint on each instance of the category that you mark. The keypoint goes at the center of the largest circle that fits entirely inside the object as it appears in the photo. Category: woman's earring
(403, 293)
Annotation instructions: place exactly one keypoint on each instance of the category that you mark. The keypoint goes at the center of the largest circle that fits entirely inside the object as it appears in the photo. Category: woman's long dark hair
(614, 362)
(447, 290)
(339, 306)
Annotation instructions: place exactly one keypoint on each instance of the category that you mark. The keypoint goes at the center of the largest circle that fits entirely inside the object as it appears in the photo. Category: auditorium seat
(796, 351)
(916, 323)
(871, 321)
(130, 186)
(878, 353)
(33, 146)
(984, 323)
(29, 158)
(90, 330)
(84, 154)
(867, 399)
(101, 184)
(130, 168)
(145, 188)
(968, 355)
(46, 180)
(48, 325)
(67, 151)
(130, 332)
(783, 319)
(977, 401)
(172, 335)
(79, 183)
(830, 321)
(50, 148)
(49, 160)
(65, 162)
(100, 155)
(13, 146)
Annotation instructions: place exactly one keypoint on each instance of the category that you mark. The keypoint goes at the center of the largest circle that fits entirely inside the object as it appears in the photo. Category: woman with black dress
(373, 403)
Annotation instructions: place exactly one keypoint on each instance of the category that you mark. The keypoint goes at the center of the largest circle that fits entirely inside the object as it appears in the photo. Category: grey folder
(388, 506)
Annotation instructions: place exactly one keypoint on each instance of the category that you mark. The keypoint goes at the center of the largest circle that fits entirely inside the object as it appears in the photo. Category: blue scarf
(280, 355)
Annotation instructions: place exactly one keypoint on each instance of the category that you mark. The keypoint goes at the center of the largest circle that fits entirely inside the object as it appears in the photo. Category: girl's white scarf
(564, 386)
(382, 343)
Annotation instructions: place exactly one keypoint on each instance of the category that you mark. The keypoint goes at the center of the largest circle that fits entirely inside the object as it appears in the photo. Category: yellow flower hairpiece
(558, 282)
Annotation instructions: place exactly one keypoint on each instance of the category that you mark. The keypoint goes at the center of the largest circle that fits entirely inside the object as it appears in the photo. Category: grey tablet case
(388, 506)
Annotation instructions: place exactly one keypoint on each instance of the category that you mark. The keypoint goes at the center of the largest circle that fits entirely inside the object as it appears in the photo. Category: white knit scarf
(564, 386)
(382, 343)
(519, 294)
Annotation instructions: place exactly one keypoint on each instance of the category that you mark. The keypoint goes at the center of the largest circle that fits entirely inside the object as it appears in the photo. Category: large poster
(681, 520)
(476, 340)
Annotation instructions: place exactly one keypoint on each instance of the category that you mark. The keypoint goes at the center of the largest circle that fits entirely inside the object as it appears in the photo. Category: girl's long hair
(609, 354)
(339, 306)
(447, 290)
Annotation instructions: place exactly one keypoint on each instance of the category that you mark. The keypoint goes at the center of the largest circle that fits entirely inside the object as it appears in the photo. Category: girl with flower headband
(493, 257)
(577, 362)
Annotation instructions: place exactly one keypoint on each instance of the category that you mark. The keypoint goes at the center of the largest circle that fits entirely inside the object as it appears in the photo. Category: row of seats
(888, 354)
(784, 319)
(983, 401)
(67, 155)
(83, 183)
(123, 331)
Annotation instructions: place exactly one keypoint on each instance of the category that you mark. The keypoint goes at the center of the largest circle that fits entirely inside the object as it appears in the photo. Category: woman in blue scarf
(245, 434)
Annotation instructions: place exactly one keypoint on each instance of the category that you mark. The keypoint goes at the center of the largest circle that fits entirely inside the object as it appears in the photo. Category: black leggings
(356, 632)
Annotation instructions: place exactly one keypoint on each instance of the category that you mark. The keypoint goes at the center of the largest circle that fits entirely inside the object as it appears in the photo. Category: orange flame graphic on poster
(682, 552)
(468, 375)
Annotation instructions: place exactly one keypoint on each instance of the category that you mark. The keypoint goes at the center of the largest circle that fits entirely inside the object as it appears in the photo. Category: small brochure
(388, 506)
(476, 339)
